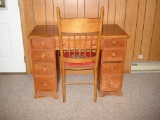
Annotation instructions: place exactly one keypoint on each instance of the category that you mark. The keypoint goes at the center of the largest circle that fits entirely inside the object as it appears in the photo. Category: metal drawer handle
(44, 70)
(114, 43)
(113, 55)
(43, 56)
(42, 43)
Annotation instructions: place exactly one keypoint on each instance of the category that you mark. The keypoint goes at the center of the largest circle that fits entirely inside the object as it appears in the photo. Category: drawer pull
(112, 68)
(45, 84)
(114, 43)
(43, 56)
(113, 55)
(44, 70)
(42, 43)
(111, 83)
(64, 43)
(93, 43)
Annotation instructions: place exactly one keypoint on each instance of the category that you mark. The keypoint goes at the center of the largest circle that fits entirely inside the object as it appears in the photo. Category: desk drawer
(114, 43)
(43, 54)
(111, 83)
(44, 68)
(42, 43)
(45, 83)
(112, 68)
(81, 44)
(112, 55)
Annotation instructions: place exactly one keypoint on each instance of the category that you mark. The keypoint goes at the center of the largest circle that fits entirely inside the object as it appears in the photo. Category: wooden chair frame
(77, 36)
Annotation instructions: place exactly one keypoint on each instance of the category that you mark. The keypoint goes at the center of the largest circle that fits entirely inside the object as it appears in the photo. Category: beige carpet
(140, 100)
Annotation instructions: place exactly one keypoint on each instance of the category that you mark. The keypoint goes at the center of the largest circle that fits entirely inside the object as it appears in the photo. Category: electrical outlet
(140, 56)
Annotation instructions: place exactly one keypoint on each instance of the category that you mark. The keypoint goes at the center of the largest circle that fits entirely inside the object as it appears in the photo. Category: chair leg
(63, 85)
(95, 85)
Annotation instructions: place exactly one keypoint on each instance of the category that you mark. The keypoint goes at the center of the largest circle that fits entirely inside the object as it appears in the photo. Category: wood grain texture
(155, 44)
(148, 28)
(139, 29)
(109, 31)
(91, 8)
(27, 22)
(111, 11)
(71, 9)
(130, 28)
(39, 12)
(80, 25)
(104, 3)
(81, 8)
(60, 4)
(120, 13)
(136, 17)
(49, 12)
(27, 7)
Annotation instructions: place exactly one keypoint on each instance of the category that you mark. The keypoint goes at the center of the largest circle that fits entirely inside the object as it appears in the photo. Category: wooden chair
(80, 41)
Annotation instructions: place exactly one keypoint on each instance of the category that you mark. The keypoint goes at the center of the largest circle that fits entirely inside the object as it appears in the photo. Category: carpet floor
(140, 100)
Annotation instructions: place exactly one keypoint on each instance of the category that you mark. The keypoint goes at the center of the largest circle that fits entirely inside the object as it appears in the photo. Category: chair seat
(66, 54)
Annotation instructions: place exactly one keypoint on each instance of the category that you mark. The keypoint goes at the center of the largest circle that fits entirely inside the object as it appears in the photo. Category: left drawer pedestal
(43, 56)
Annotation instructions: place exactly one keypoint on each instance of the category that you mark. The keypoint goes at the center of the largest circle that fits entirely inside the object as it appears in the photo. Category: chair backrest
(80, 38)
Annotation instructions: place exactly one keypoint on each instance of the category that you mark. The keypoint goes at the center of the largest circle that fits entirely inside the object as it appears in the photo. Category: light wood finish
(70, 8)
(112, 64)
(136, 17)
(49, 12)
(110, 31)
(39, 12)
(45, 83)
(92, 11)
(113, 55)
(120, 13)
(111, 11)
(81, 32)
(112, 68)
(113, 39)
(44, 70)
(27, 26)
(25, 41)
(116, 93)
(79, 9)
(104, 3)
(148, 28)
(130, 27)
(155, 50)
(111, 83)
(139, 32)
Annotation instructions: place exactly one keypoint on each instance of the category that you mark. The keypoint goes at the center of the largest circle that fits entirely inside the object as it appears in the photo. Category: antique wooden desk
(44, 43)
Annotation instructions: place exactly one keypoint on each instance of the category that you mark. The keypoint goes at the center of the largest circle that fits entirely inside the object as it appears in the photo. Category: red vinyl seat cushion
(66, 54)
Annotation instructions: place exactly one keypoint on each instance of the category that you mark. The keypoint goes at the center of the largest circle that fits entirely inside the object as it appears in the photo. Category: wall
(139, 18)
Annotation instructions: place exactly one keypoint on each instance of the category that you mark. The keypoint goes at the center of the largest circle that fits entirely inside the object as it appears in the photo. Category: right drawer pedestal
(112, 64)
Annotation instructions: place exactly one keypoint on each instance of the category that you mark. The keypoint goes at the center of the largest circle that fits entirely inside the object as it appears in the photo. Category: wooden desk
(44, 42)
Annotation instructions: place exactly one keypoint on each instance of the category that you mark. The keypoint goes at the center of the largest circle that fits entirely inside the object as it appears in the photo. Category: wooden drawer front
(42, 43)
(114, 43)
(112, 55)
(45, 83)
(44, 69)
(112, 68)
(81, 44)
(111, 83)
(43, 54)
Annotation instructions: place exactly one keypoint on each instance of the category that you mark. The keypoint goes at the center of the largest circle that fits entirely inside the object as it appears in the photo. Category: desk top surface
(109, 30)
